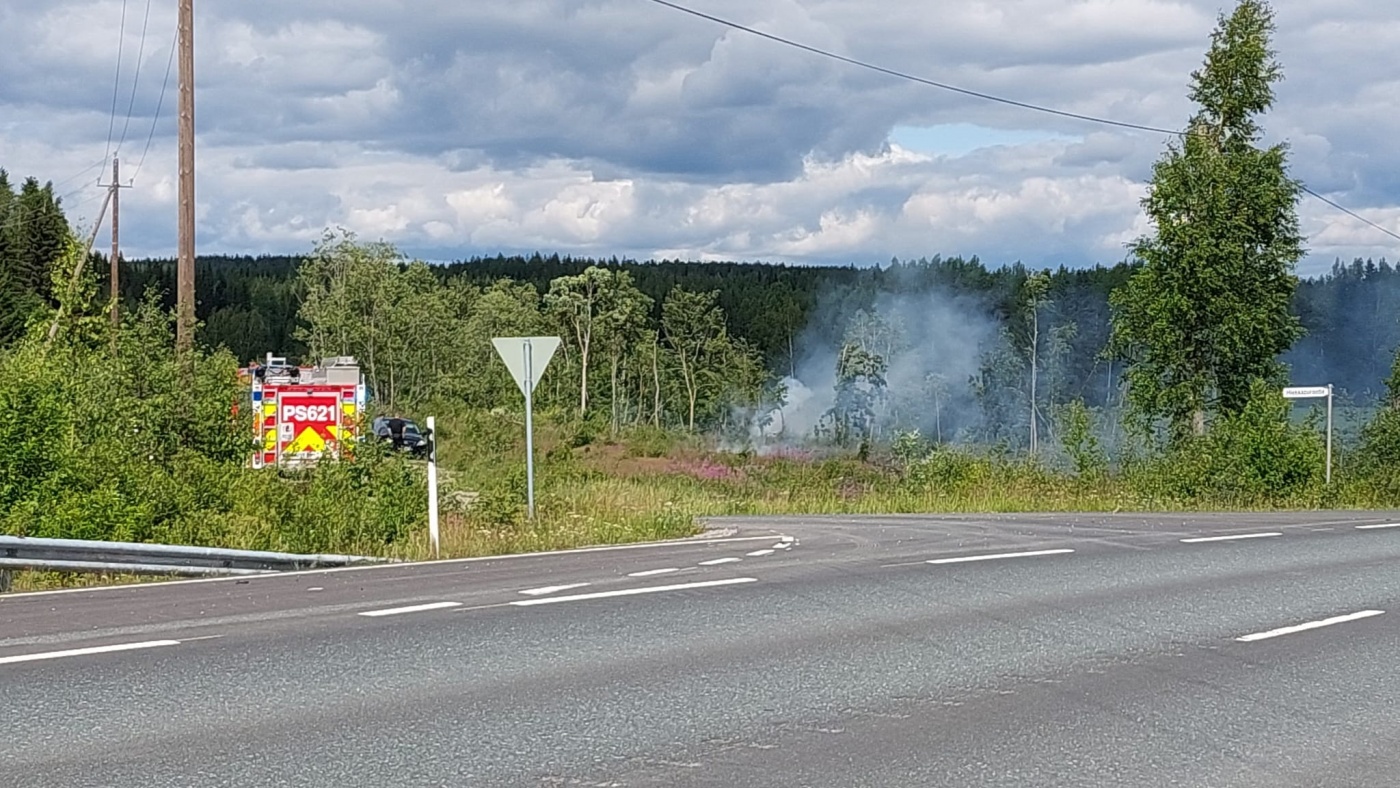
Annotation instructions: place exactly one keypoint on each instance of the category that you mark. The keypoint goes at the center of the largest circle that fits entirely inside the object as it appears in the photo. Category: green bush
(1254, 458)
(1080, 440)
(950, 470)
(502, 500)
(648, 441)
(129, 448)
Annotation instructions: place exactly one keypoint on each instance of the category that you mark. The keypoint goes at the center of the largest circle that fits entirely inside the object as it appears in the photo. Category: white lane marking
(1326, 622)
(995, 556)
(718, 561)
(394, 611)
(649, 572)
(1229, 537)
(788, 539)
(633, 591)
(552, 589)
(759, 553)
(315, 588)
(394, 565)
(80, 652)
(1380, 525)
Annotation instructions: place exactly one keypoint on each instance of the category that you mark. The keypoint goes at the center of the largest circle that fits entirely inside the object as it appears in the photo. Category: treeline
(249, 305)
(33, 234)
(626, 358)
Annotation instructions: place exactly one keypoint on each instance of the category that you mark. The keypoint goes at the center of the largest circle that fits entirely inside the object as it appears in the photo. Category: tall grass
(650, 485)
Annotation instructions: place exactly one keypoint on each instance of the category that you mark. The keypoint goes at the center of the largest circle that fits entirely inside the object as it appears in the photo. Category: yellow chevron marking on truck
(308, 440)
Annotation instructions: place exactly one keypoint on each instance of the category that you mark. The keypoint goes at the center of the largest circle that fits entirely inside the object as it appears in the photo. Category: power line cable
(136, 80)
(976, 94)
(160, 102)
(116, 81)
(911, 77)
(1353, 214)
(19, 219)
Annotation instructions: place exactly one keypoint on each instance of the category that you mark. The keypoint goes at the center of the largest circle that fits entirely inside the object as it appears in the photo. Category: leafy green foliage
(122, 446)
(860, 391)
(1080, 440)
(1252, 457)
(1378, 458)
(702, 351)
(33, 234)
(1208, 311)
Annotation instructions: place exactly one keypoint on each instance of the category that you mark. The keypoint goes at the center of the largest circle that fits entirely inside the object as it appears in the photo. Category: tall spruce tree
(1207, 313)
(34, 235)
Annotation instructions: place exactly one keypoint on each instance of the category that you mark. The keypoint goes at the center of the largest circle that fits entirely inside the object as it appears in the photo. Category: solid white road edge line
(398, 565)
(552, 589)
(1381, 525)
(995, 556)
(718, 561)
(1326, 622)
(394, 611)
(79, 652)
(649, 572)
(1228, 537)
(633, 591)
(759, 553)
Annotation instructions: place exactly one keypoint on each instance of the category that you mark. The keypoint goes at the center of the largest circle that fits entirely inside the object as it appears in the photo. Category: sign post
(1316, 392)
(433, 533)
(526, 358)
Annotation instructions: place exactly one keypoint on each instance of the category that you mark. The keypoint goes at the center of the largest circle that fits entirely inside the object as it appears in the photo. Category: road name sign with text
(1306, 392)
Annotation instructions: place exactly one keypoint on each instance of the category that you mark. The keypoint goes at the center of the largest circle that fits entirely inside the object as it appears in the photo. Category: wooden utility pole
(184, 270)
(116, 250)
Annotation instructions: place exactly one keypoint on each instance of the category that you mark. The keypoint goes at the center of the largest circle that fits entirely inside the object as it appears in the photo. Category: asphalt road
(1029, 650)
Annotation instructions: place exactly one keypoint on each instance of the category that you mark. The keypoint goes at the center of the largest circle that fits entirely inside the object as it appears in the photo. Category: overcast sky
(620, 127)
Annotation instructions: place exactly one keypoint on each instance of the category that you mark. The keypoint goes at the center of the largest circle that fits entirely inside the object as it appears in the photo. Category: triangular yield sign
(515, 350)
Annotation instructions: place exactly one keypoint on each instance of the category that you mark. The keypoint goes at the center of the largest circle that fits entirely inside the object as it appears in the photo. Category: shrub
(1256, 457)
(648, 441)
(1080, 440)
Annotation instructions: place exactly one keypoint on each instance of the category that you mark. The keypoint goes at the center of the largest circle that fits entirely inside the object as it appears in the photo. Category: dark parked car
(402, 433)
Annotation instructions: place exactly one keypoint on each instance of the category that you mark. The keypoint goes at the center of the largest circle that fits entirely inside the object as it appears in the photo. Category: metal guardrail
(77, 555)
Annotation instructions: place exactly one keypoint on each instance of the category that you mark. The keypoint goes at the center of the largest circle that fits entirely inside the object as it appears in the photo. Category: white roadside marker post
(433, 533)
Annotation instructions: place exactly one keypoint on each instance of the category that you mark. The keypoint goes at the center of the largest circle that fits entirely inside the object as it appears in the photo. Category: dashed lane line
(552, 589)
(718, 561)
(396, 611)
(633, 591)
(997, 556)
(650, 572)
(82, 652)
(1326, 622)
(1229, 537)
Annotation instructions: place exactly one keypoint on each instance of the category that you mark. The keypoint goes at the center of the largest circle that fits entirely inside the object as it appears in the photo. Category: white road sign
(512, 351)
(1306, 392)
(526, 358)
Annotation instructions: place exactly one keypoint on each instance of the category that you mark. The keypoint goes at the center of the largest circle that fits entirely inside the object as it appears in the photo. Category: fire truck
(302, 415)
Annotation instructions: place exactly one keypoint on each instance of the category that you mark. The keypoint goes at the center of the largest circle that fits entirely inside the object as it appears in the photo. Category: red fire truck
(302, 415)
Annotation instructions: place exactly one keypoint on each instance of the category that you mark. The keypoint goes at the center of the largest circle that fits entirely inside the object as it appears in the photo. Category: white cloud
(621, 127)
